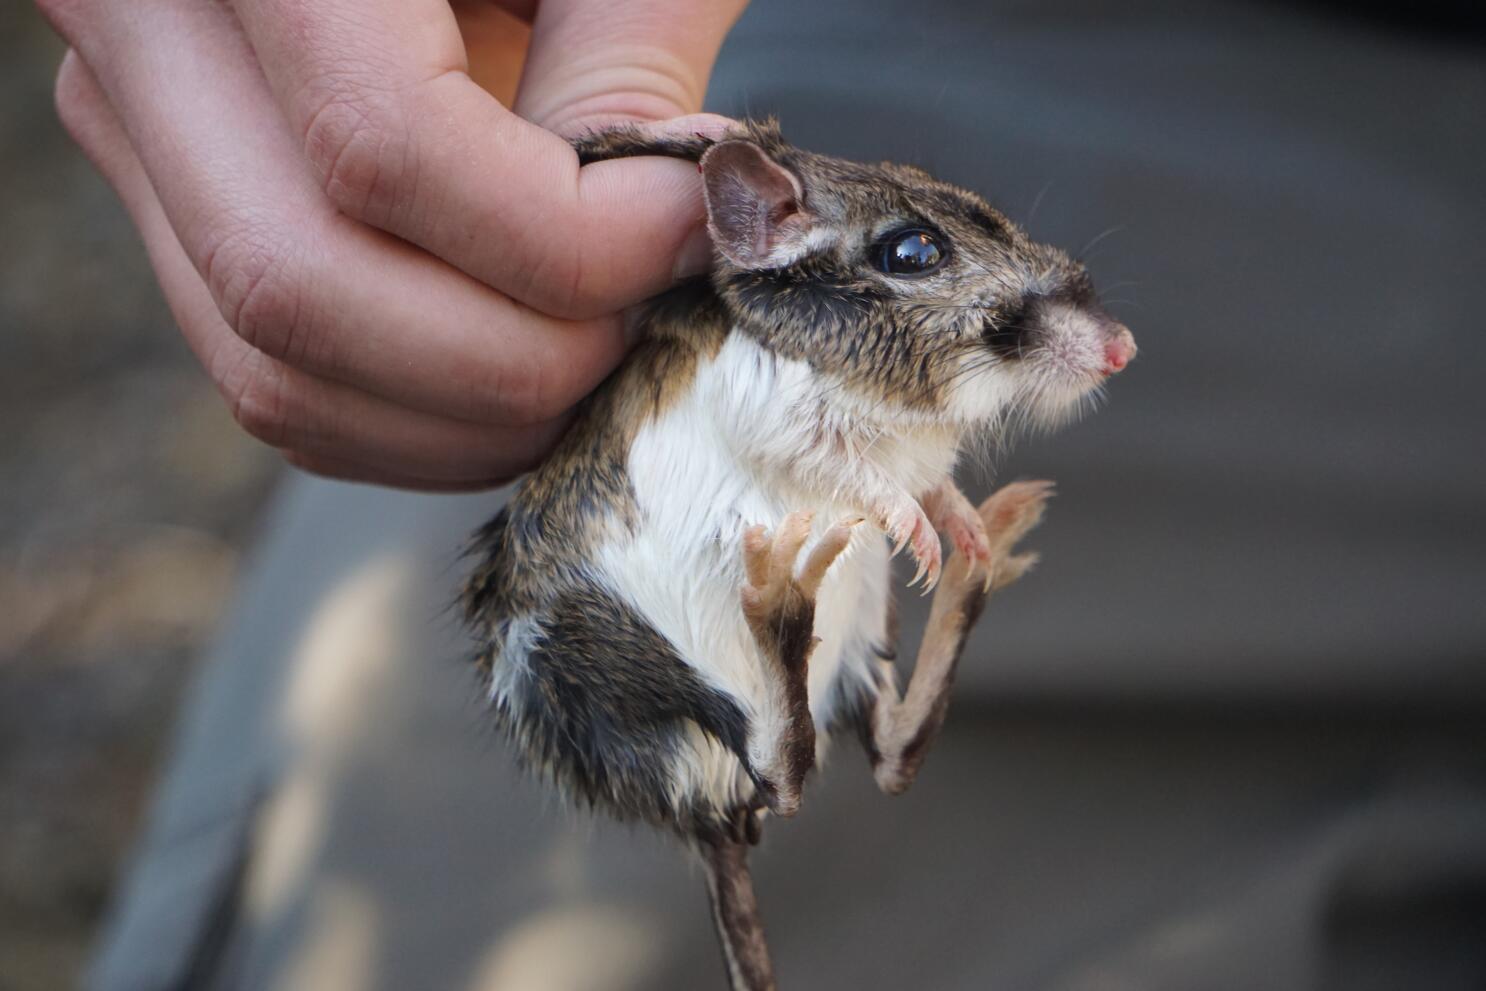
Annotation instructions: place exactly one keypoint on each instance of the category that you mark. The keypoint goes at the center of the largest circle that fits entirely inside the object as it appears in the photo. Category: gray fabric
(1226, 737)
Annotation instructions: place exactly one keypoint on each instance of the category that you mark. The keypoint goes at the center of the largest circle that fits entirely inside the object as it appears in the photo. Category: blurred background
(1263, 614)
(126, 495)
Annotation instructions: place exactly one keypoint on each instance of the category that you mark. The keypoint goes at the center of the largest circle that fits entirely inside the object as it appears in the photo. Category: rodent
(689, 600)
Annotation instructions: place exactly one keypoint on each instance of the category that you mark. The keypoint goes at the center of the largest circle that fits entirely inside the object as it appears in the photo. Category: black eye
(910, 252)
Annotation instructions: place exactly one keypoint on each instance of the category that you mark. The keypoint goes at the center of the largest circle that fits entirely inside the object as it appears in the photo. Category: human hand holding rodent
(391, 277)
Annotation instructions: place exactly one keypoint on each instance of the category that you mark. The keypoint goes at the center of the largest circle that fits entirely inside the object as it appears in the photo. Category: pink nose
(1119, 349)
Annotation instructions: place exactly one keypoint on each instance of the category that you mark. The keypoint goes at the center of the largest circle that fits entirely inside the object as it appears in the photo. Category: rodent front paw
(954, 516)
(909, 526)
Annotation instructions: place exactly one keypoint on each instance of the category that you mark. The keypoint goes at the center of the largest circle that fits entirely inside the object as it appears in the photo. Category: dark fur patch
(602, 701)
(795, 629)
(484, 588)
(1011, 329)
(839, 324)
(1006, 331)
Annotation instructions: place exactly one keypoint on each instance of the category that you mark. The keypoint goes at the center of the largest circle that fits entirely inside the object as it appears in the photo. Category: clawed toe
(909, 527)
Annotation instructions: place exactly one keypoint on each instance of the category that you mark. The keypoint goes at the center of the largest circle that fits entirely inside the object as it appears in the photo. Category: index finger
(404, 140)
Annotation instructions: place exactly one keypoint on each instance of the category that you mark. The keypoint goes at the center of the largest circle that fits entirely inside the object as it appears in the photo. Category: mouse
(691, 599)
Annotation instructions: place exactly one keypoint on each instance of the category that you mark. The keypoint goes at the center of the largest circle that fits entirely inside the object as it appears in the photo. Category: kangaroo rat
(684, 605)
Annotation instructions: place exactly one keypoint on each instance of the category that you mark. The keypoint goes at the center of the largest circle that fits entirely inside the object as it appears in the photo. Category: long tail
(735, 913)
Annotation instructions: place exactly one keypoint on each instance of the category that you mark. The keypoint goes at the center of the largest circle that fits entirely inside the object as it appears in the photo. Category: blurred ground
(127, 493)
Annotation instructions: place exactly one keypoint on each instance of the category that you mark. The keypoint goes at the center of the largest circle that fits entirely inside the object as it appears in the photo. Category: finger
(378, 93)
(353, 471)
(522, 10)
(301, 282)
(591, 64)
(495, 44)
(280, 405)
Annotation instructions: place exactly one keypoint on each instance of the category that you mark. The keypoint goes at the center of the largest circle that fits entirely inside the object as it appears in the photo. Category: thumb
(594, 62)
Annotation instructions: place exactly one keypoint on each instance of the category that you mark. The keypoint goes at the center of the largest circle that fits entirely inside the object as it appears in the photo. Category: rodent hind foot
(778, 602)
(778, 582)
(1010, 513)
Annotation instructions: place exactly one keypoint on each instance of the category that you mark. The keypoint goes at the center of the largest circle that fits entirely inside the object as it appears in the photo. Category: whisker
(1084, 251)
(1037, 201)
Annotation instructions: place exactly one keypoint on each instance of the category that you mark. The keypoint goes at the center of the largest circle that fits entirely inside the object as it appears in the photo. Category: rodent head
(916, 294)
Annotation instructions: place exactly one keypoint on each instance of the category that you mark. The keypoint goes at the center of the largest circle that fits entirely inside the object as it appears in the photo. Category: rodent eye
(909, 252)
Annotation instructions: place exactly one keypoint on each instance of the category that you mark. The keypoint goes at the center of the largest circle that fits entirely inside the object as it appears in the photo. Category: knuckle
(253, 282)
(359, 142)
(260, 399)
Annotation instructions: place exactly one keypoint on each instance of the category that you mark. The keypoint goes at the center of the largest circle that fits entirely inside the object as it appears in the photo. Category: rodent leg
(778, 601)
(904, 726)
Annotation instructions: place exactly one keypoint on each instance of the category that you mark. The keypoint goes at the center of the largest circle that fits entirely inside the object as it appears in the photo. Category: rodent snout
(1119, 348)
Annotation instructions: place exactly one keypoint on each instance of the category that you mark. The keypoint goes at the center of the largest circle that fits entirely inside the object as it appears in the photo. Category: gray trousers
(1228, 736)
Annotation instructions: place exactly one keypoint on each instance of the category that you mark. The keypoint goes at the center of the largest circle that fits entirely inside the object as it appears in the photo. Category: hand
(391, 277)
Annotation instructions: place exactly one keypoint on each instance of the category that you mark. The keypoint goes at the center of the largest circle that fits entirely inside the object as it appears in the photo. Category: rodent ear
(755, 206)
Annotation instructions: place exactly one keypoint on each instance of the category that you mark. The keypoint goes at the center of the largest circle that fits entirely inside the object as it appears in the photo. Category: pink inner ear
(750, 198)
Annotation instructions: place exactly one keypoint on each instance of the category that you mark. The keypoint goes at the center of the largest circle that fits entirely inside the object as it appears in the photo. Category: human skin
(389, 275)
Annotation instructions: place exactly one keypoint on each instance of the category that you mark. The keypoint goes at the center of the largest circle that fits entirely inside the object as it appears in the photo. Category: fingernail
(694, 256)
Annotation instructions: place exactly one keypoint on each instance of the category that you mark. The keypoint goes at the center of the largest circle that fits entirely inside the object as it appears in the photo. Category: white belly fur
(682, 569)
